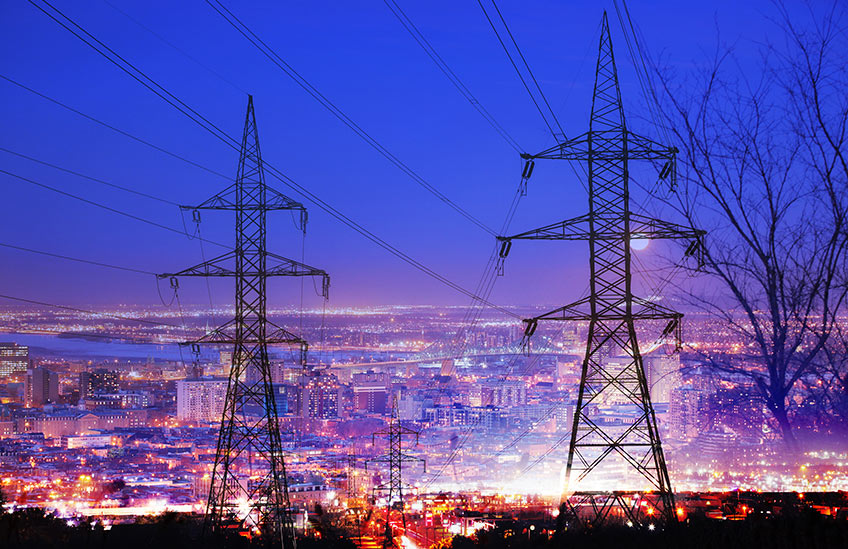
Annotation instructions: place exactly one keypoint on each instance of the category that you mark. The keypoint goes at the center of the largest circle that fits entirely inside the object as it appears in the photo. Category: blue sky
(360, 57)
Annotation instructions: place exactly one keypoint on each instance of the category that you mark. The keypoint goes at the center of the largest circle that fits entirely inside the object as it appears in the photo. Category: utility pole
(249, 488)
(394, 458)
(612, 370)
(354, 502)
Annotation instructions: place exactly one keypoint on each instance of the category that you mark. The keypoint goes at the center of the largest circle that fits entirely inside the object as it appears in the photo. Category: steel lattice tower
(612, 369)
(249, 488)
(394, 458)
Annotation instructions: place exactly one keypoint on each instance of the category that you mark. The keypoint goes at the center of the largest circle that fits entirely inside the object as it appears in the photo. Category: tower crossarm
(227, 200)
(577, 228)
(642, 226)
(643, 309)
(638, 148)
(274, 265)
(395, 429)
(397, 457)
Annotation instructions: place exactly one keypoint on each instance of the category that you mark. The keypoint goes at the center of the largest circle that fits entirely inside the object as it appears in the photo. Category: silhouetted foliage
(799, 528)
(806, 530)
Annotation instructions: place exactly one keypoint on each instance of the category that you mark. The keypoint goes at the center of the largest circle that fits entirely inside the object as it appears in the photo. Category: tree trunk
(778, 408)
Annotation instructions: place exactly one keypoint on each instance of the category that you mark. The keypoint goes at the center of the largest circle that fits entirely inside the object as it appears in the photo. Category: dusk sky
(360, 57)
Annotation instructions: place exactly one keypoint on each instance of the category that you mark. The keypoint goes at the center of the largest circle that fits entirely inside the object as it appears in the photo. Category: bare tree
(764, 171)
(828, 387)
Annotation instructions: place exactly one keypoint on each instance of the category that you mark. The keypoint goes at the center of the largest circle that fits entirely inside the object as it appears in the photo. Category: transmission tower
(394, 458)
(612, 370)
(249, 488)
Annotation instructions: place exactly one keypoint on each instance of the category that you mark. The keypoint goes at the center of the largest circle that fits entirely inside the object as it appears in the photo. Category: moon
(639, 243)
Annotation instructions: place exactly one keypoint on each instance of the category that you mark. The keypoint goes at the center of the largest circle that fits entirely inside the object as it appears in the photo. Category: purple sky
(360, 57)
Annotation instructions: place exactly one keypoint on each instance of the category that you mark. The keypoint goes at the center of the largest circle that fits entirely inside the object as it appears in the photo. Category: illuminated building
(287, 397)
(663, 372)
(736, 408)
(715, 443)
(98, 381)
(484, 418)
(685, 412)
(41, 386)
(411, 408)
(321, 397)
(67, 422)
(567, 371)
(88, 441)
(371, 392)
(122, 399)
(286, 373)
(201, 399)
(13, 358)
(226, 358)
(500, 393)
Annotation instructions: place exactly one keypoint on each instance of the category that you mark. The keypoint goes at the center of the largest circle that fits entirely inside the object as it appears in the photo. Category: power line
(170, 44)
(520, 75)
(279, 175)
(382, 243)
(113, 128)
(557, 137)
(200, 120)
(101, 205)
(431, 52)
(640, 64)
(543, 456)
(275, 58)
(527, 66)
(487, 280)
(96, 180)
(134, 72)
(77, 259)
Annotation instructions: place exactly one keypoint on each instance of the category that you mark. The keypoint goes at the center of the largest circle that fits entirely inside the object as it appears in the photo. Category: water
(84, 348)
(104, 348)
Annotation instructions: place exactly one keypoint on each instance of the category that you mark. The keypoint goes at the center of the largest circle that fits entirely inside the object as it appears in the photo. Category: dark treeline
(33, 528)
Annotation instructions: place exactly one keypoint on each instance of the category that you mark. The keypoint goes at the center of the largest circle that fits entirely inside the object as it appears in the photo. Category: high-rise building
(371, 392)
(663, 373)
(615, 364)
(41, 386)
(568, 371)
(14, 358)
(736, 408)
(226, 358)
(282, 372)
(287, 397)
(98, 381)
(504, 393)
(686, 414)
(322, 394)
(201, 399)
(411, 407)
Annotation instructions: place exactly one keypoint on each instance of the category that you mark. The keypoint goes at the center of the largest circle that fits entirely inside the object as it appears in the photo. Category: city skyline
(306, 323)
